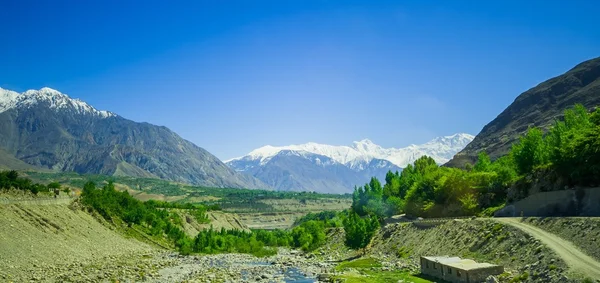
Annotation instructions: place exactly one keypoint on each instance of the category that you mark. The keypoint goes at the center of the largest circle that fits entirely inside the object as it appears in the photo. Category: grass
(359, 264)
(381, 277)
(369, 272)
(404, 252)
(523, 277)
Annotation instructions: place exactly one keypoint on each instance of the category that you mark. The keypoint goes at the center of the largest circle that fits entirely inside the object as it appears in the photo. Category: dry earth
(484, 240)
(567, 251)
(39, 237)
(583, 232)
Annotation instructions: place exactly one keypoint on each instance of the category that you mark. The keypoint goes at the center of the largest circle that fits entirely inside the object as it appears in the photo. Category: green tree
(530, 152)
(359, 231)
(484, 164)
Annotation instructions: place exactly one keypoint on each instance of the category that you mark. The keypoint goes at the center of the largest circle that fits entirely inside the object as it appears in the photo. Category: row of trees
(571, 148)
(307, 236)
(11, 180)
(117, 206)
(160, 219)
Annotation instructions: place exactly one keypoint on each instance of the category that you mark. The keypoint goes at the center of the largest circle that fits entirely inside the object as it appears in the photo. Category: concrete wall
(555, 203)
(479, 275)
(454, 275)
(431, 268)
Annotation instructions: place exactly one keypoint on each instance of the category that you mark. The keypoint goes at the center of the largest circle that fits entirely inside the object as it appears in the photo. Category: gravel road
(574, 258)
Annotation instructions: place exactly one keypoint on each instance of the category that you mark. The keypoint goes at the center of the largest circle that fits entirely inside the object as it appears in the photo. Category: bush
(359, 230)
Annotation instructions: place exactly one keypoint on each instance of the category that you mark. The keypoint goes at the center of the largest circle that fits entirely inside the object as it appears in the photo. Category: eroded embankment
(38, 241)
(583, 232)
(479, 239)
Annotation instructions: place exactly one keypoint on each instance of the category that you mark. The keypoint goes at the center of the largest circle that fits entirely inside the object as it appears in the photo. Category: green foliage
(308, 236)
(330, 219)
(571, 148)
(230, 199)
(11, 180)
(404, 252)
(575, 146)
(359, 263)
(226, 241)
(359, 230)
(531, 151)
(112, 205)
(520, 278)
(370, 270)
(483, 164)
(369, 199)
(160, 219)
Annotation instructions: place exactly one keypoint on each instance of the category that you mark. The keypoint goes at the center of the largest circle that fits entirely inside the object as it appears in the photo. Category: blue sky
(232, 76)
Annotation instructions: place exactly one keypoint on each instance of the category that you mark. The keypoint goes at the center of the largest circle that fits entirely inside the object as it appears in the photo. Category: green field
(368, 270)
(229, 199)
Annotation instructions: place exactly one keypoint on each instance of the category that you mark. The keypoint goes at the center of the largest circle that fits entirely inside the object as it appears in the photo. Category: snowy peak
(52, 98)
(366, 145)
(453, 140)
(334, 169)
(361, 153)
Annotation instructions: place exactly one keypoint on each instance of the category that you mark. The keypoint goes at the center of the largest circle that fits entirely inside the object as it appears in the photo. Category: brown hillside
(539, 106)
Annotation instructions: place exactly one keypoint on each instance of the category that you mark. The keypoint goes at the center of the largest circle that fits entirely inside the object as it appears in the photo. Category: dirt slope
(47, 236)
(484, 240)
(572, 256)
(583, 232)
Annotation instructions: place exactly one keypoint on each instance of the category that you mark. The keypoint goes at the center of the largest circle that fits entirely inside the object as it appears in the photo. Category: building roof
(459, 263)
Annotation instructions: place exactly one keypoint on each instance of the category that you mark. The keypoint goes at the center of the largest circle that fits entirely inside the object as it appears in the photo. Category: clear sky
(232, 76)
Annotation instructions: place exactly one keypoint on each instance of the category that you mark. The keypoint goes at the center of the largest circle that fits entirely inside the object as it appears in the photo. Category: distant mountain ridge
(337, 169)
(441, 149)
(47, 129)
(538, 106)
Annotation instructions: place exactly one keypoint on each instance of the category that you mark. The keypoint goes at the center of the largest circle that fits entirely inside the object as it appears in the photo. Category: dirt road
(572, 256)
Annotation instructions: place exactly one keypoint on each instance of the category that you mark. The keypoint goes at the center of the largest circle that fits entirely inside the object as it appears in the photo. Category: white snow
(54, 98)
(361, 152)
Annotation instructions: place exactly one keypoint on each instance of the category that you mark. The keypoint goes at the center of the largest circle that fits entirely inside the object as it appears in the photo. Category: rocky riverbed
(286, 266)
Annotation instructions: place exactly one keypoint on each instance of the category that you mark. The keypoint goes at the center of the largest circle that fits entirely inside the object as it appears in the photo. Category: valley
(65, 252)
(300, 142)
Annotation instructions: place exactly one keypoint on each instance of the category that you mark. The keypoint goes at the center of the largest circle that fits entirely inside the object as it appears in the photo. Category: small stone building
(458, 270)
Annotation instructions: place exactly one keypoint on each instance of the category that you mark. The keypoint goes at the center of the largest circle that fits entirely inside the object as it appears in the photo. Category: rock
(326, 277)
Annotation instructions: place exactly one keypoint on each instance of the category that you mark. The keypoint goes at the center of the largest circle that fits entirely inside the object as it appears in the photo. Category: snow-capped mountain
(363, 158)
(47, 129)
(53, 99)
(360, 152)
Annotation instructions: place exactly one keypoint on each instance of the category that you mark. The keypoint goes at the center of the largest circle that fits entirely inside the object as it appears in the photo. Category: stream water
(291, 275)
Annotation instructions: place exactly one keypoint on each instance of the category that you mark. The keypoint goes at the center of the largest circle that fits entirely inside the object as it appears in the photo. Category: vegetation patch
(369, 270)
(382, 277)
(359, 263)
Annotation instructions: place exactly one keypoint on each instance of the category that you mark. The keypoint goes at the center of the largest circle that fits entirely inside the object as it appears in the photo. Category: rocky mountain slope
(337, 169)
(48, 129)
(539, 106)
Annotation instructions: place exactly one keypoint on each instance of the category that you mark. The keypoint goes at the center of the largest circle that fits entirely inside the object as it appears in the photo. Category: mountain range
(337, 169)
(47, 130)
(539, 106)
